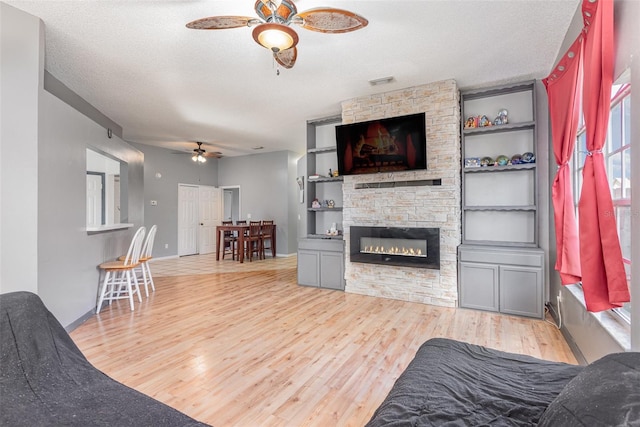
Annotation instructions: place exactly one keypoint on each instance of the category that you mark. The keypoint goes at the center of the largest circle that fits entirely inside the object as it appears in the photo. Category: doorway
(231, 203)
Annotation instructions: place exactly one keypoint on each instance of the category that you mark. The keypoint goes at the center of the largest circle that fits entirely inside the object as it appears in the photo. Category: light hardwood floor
(243, 345)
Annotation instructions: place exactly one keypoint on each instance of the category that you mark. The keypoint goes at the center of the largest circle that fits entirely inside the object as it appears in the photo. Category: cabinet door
(332, 270)
(308, 267)
(521, 291)
(479, 286)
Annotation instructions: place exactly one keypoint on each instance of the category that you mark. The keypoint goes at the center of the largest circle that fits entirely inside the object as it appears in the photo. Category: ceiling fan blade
(212, 154)
(331, 20)
(287, 58)
(221, 22)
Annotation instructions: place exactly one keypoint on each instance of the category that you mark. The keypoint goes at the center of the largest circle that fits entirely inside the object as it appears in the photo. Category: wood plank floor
(244, 345)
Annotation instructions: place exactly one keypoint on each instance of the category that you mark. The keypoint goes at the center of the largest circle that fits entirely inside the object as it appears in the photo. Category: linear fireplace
(409, 247)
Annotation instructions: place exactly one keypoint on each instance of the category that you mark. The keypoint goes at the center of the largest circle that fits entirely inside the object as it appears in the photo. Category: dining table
(241, 230)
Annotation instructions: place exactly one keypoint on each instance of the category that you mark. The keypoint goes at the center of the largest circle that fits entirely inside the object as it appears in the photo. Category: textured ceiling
(167, 85)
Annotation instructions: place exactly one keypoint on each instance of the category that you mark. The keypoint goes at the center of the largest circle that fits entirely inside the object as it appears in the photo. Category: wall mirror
(106, 191)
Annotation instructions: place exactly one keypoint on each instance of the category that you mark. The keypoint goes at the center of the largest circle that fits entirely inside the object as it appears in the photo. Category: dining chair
(254, 240)
(266, 233)
(230, 241)
(120, 280)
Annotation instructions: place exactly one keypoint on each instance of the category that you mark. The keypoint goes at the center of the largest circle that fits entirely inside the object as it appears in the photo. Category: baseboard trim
(164, 257)
(73, 325)
(568, 338)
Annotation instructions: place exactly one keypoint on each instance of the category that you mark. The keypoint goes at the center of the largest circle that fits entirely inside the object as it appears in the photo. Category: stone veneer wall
(419, 206)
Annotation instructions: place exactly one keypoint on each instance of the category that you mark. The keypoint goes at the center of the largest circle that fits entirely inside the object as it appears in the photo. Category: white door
(210, 217)
(187, 219)
(94, 200)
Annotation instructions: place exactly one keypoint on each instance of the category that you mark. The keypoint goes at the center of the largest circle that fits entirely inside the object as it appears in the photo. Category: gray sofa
(450, 383)
(45, 380)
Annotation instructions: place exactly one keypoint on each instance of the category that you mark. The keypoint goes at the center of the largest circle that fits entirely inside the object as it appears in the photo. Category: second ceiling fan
(273, 25)
(200, 154)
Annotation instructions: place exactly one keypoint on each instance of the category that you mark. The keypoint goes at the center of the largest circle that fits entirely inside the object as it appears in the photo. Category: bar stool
(145, 257)
(120, 280)
(143, 271)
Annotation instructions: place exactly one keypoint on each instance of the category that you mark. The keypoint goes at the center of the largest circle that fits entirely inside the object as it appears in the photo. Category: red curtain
(603, 276)
(564, 93)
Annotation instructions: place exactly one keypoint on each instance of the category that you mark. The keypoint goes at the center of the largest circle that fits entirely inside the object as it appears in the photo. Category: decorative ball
(528, 157)
(486, 161)
(502, 160)
(516, 159)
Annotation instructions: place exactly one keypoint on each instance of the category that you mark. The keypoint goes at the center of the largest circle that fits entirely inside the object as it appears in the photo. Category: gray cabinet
(521, 290)
(504, 280)
(321, 263)
(308, 267)
(481, 286)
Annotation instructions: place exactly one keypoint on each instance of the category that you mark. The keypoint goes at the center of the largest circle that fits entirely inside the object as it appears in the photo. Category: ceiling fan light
(195, 158)
(275, 37)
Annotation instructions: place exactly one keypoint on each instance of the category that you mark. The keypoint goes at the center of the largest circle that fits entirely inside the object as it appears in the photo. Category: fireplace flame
(394, 250)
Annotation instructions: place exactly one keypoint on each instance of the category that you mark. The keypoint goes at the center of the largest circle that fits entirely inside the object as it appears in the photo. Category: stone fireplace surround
(424, 206)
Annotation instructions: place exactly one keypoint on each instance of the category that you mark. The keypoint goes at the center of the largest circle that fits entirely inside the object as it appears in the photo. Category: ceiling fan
(200, 154)
(273, 25)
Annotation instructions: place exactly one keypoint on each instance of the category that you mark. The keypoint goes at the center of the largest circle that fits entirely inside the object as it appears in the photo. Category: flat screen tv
(385, 145)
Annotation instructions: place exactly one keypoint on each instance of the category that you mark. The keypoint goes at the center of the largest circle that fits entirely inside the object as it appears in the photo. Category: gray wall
(21, 61)
(174, 169)
(293, 197)
(266, 186)
(45, 248)
(302, 207)
(67, 256)
(583, 329)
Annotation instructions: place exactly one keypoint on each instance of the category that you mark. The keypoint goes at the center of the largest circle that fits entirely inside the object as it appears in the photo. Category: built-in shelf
(321, 150)
(506, 168)
(337, 209)
(326, 179)
(320, 254)
(325, 236)
(509, 127)
(500, 208)
(500, 267)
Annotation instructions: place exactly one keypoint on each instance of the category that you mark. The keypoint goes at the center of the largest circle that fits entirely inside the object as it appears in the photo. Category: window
(617, 153)
(105, 194)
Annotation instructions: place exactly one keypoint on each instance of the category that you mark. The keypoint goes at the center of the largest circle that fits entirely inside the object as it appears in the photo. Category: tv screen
(385, 145)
